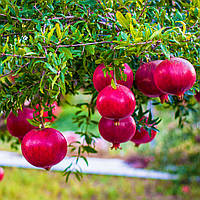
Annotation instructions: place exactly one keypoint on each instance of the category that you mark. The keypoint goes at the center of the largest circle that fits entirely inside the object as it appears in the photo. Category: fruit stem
(164, 98)
(116, 146)
(114, 76)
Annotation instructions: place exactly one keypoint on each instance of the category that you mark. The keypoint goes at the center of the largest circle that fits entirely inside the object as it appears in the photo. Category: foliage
(53, 47)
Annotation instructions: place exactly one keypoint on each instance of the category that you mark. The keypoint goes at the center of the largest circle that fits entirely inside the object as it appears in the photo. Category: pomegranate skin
(117, 131)
(197, 96)
(100, 82)
(44, 148)
(1, 174)
(145, 81)
(175, 76)
(18, 126)
(55, 111)
(116, 103)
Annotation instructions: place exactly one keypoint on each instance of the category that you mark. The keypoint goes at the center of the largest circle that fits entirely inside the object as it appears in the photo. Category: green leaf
(58, 31)
(67, 52)
(122, 20)
(51, 68)
(165, 51)
(156, 33)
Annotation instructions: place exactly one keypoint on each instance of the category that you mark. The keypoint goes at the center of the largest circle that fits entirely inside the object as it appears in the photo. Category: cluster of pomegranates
(116, 103)
(42, 147)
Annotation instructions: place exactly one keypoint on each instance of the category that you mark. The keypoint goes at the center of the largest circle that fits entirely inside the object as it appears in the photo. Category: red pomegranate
(44, 148)
(100, 81)
(175, 76)
(197, 96)
(18, 126)
(116, 103)
(55, 111)
(142, 136)
(145, 82)
(1, 174)
(117, 131)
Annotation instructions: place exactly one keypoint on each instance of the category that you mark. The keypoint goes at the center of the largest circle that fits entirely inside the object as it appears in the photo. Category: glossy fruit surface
(18, 126)
(100, 81)
(116, 103)
(44, 148)
(1, 174)
(175, 76)
(117, 131)
(145, 81)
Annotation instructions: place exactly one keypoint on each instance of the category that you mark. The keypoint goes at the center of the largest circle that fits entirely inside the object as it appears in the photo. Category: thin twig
(25, 19)
(142, 11)
(19, 56)
(9, 73)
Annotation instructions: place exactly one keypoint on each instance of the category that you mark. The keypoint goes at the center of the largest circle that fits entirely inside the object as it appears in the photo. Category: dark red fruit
(116, 103)
(18, 126)
(142, 136)
(117, 131)
(145, 82)
(55, 111)
(1, 174)
(44, 148)
(197, 96)
(175, 76)
(100, 81)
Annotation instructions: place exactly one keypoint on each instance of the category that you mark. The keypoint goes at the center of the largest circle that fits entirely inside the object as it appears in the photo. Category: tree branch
(19, 56)
(9, 73)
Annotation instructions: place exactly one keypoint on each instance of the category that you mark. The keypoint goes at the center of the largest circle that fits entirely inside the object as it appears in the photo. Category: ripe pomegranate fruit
(55, 111)
(116, 103)
(117, 131)
(44, 148)
(197, 96)
(18, 126)
(142, 136)
(100, 81)
(1, 174)
(175, 76)
(145, 82)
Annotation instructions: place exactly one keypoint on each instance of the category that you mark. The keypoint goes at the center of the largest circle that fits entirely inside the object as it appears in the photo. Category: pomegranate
(197, 96)
(18, 126)
(55, 111)
(142, 136)
(1, 174)
(116, 103)
(175, 76)
(145, 82)
(44, 148)
(100, 81)
(117, 131)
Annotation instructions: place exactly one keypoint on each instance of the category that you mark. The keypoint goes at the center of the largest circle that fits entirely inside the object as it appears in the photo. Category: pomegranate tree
(44, 148)
(100, 81)
(116, 103)
(145, 81)
(175, 76)
(18, 125)
(117, 131)
(1, 174)
(142, 136)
